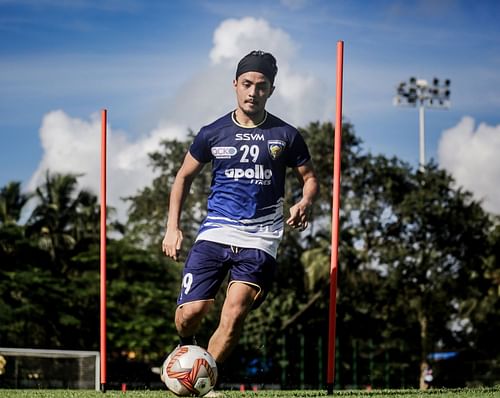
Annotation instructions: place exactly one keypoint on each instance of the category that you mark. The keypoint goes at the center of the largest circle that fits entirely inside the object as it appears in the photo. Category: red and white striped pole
(335, 221)
(104, 123)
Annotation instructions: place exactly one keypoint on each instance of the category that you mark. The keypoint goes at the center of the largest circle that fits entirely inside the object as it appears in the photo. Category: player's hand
(299, 216)
(172, 243)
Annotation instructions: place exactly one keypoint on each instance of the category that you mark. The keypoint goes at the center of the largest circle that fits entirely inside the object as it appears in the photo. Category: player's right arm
(172, 241)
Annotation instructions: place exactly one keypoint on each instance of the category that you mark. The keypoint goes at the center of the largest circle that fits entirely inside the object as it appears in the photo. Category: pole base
(103, 387)
(329, 388)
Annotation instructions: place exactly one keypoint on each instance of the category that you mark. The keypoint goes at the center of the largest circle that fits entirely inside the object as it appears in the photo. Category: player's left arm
(300, 211)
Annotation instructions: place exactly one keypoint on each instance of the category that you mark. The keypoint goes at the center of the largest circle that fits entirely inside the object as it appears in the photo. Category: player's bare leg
(188, 317)
(239, 300)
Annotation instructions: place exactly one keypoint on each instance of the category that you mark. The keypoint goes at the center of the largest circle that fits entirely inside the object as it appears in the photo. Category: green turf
(436, 393)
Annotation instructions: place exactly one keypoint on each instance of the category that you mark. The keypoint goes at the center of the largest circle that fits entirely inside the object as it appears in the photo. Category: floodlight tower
(418, 92)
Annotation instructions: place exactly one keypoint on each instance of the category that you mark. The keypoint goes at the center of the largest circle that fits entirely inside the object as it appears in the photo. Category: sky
(161, 68)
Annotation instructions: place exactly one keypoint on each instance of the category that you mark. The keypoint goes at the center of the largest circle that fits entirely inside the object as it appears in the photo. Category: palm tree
(12, 202)
(63, 215)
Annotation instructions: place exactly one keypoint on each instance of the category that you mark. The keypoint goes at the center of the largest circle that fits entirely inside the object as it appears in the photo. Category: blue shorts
(208, 263)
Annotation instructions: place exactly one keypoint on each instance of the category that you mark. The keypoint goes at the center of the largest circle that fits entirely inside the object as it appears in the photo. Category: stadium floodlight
(418, 92)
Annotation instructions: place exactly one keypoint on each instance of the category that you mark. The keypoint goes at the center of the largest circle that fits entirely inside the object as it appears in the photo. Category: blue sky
(162, 67)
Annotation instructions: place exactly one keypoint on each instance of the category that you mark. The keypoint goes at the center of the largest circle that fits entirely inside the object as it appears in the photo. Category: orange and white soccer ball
(189, 370)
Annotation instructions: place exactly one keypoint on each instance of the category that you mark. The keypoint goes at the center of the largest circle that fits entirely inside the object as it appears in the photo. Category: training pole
(335, 220)
(104, 123)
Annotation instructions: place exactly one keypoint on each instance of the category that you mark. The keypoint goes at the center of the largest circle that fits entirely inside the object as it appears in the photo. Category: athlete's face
(252, 91)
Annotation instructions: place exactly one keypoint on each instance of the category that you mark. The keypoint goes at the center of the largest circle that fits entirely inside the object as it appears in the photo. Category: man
(250, 150)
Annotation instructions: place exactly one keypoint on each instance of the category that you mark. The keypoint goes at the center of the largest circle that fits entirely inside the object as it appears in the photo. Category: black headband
(258, 61)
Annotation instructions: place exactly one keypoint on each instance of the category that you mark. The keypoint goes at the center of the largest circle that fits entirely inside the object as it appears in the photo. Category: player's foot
(213, 394)
(190, 340)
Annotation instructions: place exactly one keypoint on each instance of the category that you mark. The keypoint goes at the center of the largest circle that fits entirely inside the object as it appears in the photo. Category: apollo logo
(249, 137)
(258, 175)
(223, 152)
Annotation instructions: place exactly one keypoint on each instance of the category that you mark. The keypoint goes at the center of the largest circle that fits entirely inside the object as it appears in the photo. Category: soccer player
(250, 150)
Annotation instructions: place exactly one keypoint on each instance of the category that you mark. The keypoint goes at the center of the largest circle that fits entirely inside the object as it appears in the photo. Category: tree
(38, 272)
(411, 249)
(148, 209)
(25, 288)
(483, 322)
(418, 269)
(54, 217)
(12, 202)
(49, 278)
(142, 297)
(434, 256)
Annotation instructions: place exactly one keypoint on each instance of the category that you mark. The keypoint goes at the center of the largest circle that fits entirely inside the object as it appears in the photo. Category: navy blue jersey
(245, 205)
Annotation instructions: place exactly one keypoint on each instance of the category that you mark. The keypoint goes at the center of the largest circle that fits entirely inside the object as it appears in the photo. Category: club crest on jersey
(276, 148)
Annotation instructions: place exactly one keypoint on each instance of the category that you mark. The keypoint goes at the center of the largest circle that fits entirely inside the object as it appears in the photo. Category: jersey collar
(233, 113)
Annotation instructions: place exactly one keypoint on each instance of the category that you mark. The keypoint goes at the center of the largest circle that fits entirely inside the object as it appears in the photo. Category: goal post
(39, 368)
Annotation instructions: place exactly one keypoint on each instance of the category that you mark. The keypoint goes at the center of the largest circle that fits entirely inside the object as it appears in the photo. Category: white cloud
(237, 37)
(73, 145)
(299, 98)
(470, 154)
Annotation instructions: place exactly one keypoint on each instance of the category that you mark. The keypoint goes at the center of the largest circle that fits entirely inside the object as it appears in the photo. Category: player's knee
(190, 315)
(184, 325)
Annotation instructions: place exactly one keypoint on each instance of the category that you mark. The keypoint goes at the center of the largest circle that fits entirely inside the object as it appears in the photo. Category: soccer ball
(189, 371)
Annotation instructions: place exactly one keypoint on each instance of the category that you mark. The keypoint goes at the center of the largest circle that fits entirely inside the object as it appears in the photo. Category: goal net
(35, 368)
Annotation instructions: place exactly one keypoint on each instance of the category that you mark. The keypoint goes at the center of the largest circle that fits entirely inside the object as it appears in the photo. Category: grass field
(436, 393)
